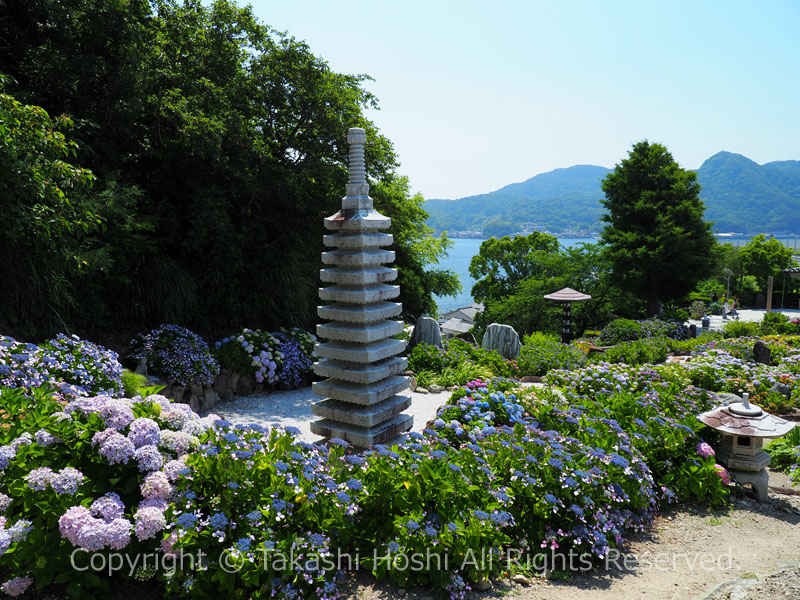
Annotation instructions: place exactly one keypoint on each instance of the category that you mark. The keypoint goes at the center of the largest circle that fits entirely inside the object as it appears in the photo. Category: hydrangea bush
(76, 367)
(283, 358)
(176, 353)
(91, 475)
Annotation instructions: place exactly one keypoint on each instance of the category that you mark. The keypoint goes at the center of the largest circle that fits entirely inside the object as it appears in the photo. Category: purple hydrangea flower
(45, 438)
(16, 586)
(39, 479)
(705, 450)
(117, 533)
(117, 449)
(72, 521)
(108, 507)
(20, 530)
(67, 481)
(149, 458)
(144, 432)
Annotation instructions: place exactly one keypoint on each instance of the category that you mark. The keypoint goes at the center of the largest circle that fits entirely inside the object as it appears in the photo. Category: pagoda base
(364, 437)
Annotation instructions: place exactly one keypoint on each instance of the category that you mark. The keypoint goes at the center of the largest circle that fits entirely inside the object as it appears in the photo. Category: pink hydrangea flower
(108, 507)
(723, 473)
(72, 521)
(149, 522)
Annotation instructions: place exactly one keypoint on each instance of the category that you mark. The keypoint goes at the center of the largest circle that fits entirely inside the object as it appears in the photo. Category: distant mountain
(740, 195)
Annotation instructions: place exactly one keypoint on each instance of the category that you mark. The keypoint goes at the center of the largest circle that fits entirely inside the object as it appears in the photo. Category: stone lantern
(566, 297)
(744, 427)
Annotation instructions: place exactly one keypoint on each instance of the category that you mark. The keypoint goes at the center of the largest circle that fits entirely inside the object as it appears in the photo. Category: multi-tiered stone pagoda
(363, 401)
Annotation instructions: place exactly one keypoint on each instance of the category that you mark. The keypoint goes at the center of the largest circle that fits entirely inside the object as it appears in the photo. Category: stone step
(359, 393)
(361, 373)
(364, 313)
(359, 294)
(358, 332)
(356, 276)
(364, 437)
(358, 240)
(357, 220)
(360, 353)
(355, 258)
(362, 416)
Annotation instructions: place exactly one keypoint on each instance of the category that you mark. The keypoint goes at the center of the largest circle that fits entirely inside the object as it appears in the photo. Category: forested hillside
(740, 195)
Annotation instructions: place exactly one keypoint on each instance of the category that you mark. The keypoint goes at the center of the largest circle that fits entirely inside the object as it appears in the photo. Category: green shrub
(541, 354)
(177, 354)
(620, 330)
(132, 383)
(698, 309)
(637, 352)
(672, 312)
(784, 451)
(737, 329)
(778, 324)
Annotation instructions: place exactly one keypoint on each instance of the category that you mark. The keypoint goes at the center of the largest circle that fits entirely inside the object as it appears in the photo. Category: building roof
(567, 295)
(455, 326)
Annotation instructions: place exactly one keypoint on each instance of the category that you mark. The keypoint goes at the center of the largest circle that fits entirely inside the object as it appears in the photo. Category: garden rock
(781, 388)
(761, 353)
(425, 331)
(246, 385)
(210, 398)
(421, 390)
(468, 337)
(223, 381)
(141, 368)
(435, 389)
(412, 383)
(503, 339)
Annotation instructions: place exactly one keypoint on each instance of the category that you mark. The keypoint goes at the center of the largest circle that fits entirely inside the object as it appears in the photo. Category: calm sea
(458, 260)
(460, 255)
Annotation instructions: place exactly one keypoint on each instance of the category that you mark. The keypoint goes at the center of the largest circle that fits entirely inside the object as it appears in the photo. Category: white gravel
(293, 408)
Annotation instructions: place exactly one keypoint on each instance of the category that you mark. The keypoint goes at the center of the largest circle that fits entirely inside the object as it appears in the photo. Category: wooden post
(769, 294)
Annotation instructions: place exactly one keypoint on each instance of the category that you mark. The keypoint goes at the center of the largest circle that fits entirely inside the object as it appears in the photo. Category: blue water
(458, 260)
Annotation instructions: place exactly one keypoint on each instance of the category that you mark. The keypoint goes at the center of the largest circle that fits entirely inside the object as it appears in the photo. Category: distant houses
(459, 321)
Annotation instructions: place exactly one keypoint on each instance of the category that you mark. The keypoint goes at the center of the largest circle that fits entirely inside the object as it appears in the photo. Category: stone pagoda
(358, 355)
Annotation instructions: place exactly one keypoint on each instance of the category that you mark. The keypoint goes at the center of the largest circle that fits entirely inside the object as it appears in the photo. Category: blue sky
(477, 95)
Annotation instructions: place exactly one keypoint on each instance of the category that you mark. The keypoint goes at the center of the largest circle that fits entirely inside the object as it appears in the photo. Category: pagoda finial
(357, 186)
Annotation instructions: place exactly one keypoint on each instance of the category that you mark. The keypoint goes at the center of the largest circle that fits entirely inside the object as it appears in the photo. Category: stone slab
(362, 416)
(366, 313)
(361, 373)
(359, 332)
(359, 294)
(358, 276)
(357, 220)
(358, 240)
(352, 258)
(360, 353)
(364, 437)
(360, 393)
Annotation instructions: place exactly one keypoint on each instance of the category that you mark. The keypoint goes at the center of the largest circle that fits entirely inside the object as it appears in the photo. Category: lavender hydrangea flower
(19, 531)
(5, 502)
(16, 586)
(149, 458)
(72, 521)
(177, 441)
(144, 432)
(156, 485)
(67, 481)
(149, 522)
(39, 479)
(175, 468)
(117, 533)
(45, 438)
(116, 413)
(117, 449)
(108, 507)
(7, 454)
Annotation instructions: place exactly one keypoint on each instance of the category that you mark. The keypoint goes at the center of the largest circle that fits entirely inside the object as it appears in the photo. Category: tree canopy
(763, 257)
(658, 243)
(218, 145)
(513, 274)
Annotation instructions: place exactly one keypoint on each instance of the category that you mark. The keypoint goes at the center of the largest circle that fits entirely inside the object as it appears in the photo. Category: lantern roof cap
(567, 295)
(748, 420)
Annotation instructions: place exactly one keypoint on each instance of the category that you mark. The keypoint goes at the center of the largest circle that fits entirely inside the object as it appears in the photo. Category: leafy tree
(658, 243)
(219, 146)
(415, 247)
(762, 257)
(45, 215)
(514, 274)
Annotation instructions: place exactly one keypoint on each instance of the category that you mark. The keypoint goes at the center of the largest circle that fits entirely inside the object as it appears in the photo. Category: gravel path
(293, 408)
